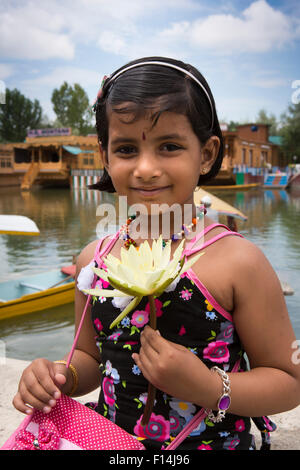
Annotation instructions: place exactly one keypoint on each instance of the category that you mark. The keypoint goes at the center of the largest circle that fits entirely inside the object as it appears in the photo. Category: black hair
(155, 87)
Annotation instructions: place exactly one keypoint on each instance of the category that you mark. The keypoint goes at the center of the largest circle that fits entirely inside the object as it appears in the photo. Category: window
(22, 155)
(5, 162)
(250, 157)
(244, 156)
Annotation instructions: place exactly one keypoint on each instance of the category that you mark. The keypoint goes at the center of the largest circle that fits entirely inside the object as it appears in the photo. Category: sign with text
(49, 132)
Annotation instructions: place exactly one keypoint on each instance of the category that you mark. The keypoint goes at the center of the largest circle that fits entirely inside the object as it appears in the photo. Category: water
(67, 221)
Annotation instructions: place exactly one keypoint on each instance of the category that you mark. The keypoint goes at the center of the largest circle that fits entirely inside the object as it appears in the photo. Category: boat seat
(69, 270)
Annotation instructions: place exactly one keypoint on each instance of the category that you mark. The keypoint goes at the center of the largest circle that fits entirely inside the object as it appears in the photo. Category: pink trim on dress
(99, 253)
(211, 241)
(192, 276)
(203, 232)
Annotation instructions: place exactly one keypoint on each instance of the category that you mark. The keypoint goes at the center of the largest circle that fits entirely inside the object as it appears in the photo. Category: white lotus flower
(141, 272)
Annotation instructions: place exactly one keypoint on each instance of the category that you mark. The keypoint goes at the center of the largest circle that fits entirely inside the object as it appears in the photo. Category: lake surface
(67, 221)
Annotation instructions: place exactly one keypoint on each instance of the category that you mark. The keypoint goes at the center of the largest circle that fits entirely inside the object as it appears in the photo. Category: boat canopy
(76, 150)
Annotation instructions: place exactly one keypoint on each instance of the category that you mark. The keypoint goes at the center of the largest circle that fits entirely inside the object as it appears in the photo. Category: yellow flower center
(183, 406)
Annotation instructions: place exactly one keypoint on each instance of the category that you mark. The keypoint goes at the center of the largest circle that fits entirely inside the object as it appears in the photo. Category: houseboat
(249, 154)
(48, 157)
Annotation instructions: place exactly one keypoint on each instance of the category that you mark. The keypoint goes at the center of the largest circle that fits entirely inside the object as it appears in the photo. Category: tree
(72, 108)
(17, 115)
(263, 118)
(232, 126)
(290, 132)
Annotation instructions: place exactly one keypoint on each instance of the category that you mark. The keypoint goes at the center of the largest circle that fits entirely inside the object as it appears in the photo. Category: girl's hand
(176, 371)
(40, 386)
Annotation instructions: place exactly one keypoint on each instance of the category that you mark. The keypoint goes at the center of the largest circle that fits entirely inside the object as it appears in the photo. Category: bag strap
(97, 256)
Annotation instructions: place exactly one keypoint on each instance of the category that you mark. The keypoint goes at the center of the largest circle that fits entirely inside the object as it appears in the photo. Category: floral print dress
(188, 315)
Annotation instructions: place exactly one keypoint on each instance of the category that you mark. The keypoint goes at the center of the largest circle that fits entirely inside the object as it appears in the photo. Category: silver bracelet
(224, 400)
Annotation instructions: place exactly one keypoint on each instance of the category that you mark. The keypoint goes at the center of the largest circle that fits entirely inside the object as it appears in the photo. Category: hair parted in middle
(159, 88)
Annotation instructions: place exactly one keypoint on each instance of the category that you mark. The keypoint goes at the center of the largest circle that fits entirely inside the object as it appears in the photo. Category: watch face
(224, 402)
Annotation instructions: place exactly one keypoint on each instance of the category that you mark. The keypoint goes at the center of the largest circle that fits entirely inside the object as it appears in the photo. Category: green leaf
(209, 423)
(166, 303)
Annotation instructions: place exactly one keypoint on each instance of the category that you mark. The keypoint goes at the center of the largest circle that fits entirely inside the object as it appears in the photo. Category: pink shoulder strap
(100, 253)
(189, 250)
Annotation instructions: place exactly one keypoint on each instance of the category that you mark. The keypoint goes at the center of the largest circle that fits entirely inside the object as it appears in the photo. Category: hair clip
(100, 92)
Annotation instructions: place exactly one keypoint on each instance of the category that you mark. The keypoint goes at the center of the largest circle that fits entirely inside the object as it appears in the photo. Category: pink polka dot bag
(70, 426)
(73, 426)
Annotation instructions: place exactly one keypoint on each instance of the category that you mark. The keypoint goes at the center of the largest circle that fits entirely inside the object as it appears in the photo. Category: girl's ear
(210, 153)
(103, 156)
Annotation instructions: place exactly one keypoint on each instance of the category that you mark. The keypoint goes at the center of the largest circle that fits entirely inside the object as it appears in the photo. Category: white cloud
(6, 70)
(260, 28)
(35, 30)
(69, 74)
(31, 32)
(274, 82)
(109, 41)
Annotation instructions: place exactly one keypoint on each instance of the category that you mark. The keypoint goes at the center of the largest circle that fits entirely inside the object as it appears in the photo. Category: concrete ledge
(286, 437)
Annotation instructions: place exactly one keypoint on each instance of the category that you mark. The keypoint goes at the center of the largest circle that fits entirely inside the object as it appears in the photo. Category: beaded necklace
(185, 229)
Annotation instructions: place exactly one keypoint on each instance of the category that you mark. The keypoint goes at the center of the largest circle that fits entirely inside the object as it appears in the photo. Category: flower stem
(151, 388)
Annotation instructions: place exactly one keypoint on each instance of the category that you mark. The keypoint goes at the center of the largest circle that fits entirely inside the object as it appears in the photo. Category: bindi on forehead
(144, 136)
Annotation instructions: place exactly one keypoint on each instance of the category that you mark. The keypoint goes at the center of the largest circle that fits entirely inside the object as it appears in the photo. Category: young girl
(160, 138)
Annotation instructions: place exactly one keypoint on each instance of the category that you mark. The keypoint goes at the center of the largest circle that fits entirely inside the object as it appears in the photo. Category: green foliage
(17, 115)
(264, 118)
(72, 108)
(290, 133)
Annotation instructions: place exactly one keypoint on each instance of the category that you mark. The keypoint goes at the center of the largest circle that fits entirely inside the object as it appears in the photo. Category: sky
(248, 50)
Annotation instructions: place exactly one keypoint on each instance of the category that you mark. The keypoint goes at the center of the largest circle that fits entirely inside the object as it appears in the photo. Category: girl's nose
(147, 167)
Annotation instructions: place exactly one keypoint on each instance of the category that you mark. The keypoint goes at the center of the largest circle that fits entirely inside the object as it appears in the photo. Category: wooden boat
(294, 181)
(276, 181)
(237, 187)
(17, 225)
(37, 292)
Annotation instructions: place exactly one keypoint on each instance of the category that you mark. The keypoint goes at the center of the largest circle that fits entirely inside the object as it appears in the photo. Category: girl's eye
(170, 147)
(126, 150)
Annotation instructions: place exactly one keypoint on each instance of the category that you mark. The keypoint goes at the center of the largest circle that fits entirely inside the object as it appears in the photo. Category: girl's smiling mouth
(150, 191)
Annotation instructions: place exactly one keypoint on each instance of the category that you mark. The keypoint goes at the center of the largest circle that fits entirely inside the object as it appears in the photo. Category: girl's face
(156, 165)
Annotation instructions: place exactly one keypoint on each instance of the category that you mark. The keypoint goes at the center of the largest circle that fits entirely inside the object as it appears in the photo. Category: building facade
(48, 160)
(250, 145)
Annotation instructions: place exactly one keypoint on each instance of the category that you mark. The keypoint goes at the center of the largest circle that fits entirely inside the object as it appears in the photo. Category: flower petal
(188, 264)
(100, 273)
(136, 291)
(105, 292)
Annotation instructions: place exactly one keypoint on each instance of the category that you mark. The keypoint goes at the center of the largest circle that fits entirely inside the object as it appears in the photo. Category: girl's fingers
(46, 378)
(152, 338)
(19, 404)
(26, 405)
(148, 349)
(33, 393)
(42, 388)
